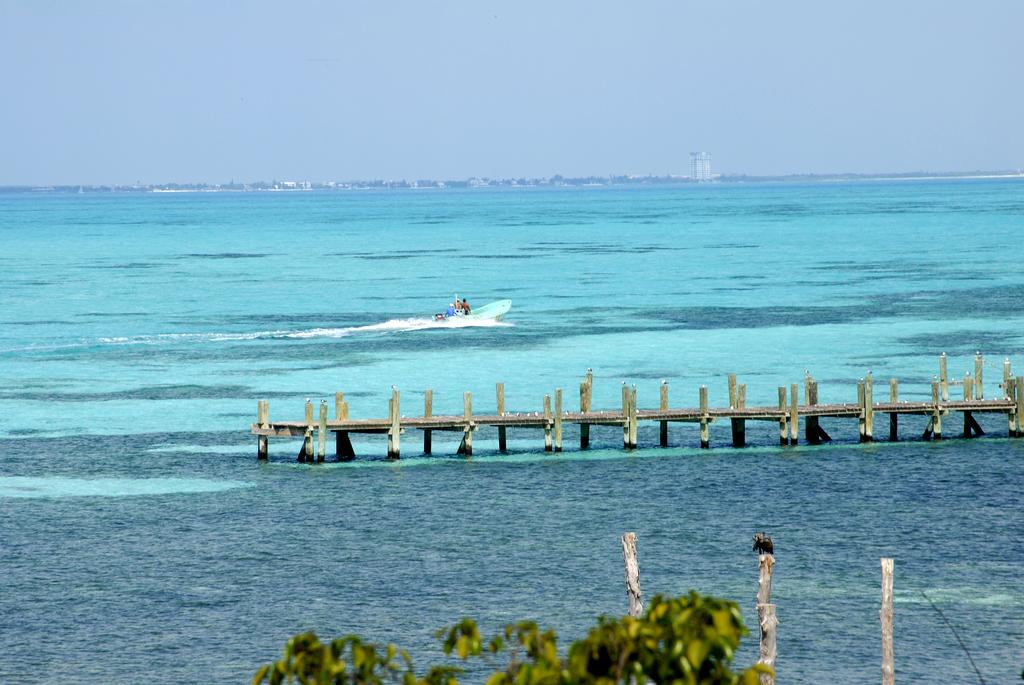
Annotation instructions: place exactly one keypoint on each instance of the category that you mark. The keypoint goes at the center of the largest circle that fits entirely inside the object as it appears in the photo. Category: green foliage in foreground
(688, 640)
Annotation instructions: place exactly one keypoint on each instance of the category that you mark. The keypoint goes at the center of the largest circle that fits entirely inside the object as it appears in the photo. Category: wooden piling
(1007, 377)
(968, 395)
(263, 420)
(1011, 393)
(466, 447)
(705, 440)
(663, 406)
(794, 422)
(811, 429)
(979, 374)
(547, 423)
(321, 434)
(1020, 406)
(634, 424)
(428, 411)
(885, 616)
(306, 455)
(893, 416)
(736, 425)
(636, 602)
(766, 616)
(767, 653)
(395, 429)
(869, 408)
(586, 397)
(862, 414)
(943, 377)
(783, 428)
(558, 419)
(740, 433)
(625, 416)
(343, 450)
(499, 390)
(934, 429)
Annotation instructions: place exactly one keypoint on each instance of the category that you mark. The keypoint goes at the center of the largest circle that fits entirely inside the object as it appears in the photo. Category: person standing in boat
(465, 306)
(451, 310)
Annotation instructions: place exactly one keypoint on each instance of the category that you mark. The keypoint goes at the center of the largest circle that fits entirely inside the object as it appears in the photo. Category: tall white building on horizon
(700, 166)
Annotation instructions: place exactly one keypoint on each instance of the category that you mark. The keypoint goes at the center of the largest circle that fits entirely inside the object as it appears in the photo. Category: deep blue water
(141, 541)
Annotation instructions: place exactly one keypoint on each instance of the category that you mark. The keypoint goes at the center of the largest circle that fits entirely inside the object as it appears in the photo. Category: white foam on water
(32, 487)
(392, 325)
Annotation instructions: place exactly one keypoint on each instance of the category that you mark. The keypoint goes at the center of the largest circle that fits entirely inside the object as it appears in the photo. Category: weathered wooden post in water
(893, 416)
(663, 406)
(500, 392)
(1019, 385)
(636, 603)
(869, 408)
(943, 378)
(343, 450)
(705, 438)
(428, 411)
(547, 423)
(979, 363)
(794, 425)
(625, 416)
(633, 423)
(321, 434)
(395, 429)
(466, 446)
(766, 616)
(738, 426)
(885, 615)
(783, 427)
(306, 451)
(971, 427)
(263, 420)
(934, 428)
(558, 419)
(586, 395)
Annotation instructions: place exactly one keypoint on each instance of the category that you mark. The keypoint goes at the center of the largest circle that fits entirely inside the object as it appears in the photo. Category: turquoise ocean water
(140, 541)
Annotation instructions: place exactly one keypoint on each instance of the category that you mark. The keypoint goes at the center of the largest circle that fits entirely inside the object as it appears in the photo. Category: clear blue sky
(119, 91)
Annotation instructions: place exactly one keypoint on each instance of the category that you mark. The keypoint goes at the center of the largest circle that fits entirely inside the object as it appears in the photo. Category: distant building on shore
(700, 166)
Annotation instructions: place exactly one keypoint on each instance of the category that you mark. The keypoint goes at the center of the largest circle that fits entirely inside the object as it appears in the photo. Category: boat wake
(390, 326)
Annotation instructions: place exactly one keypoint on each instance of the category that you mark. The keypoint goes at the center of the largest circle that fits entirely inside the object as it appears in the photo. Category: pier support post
(499, 390)
(395, 429)
(766, 616)
(738, 426)
(625, 416)
(558, 419)
(705, 439)
(794, 425)
(934, 428)
(321, 434)
(979, 374)
(663, 406)
(968, 395)
(1012, 391)
(547, 423)
(893, 416)
(428, 411)
(811, 429)
(943, 378)
(633, 424)
(869, 408)
(885, 616)
(343, 450)
(636, 602)
(466, 446)
(263, 420)
(586, 395)
(306, 453)
(783, 424)
(862, 427)
(1020, 405)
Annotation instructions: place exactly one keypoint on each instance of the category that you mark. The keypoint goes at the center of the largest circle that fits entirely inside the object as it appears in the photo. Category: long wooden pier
(314, 428)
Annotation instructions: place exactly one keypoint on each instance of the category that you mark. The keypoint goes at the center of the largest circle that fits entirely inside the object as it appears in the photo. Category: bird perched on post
(763, 543)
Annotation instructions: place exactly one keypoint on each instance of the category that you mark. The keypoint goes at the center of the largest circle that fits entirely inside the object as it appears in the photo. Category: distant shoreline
(479, 182)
